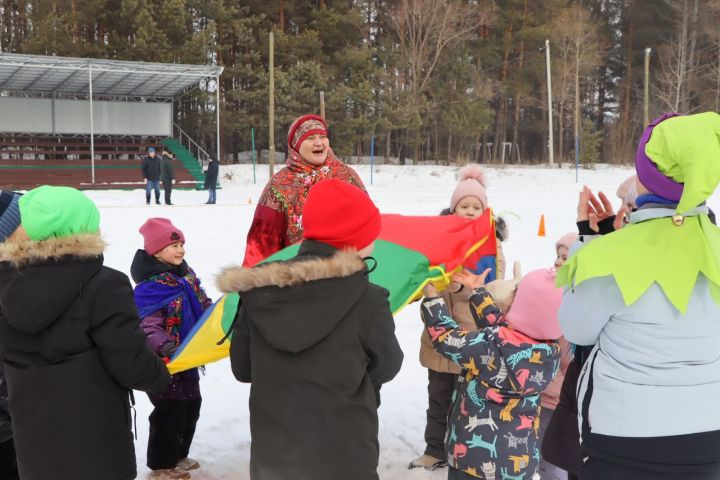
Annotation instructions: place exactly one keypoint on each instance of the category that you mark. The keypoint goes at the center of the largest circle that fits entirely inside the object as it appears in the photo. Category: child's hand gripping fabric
(466, 278)
(503, 291)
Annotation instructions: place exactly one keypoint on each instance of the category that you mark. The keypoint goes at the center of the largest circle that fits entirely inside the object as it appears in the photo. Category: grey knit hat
(9, 213)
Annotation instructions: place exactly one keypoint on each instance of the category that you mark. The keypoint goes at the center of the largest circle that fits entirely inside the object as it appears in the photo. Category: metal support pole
(577, 112)
(217, 117)
(372, 157)
(271, 108)
(550, 112)
(252, 141)
(92, 128)
(646, 89)
(322, 105)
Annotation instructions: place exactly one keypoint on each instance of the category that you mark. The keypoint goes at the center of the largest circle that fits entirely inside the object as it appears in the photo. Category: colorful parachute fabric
(410, 251)
(201, 345)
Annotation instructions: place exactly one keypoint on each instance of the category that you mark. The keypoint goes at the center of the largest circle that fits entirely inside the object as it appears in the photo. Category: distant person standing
(211, 177)
(151, 167)
(167, 175)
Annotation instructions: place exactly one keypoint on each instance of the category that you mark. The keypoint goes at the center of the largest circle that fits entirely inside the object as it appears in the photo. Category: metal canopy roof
(110, 78)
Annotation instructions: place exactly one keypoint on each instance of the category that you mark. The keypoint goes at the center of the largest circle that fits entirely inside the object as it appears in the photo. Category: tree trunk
(518, 96)
(501, 117)
(449, 148)
(518, 101)
(626, 118)
(601, 93)
(401, 148)
(691, 57)
(282, 15)
(388, 146)
(717, 85)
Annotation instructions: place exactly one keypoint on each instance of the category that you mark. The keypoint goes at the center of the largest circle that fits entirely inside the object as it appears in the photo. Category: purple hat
(647, 171)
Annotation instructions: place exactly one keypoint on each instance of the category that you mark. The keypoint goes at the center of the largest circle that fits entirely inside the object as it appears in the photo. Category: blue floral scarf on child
(180, 298)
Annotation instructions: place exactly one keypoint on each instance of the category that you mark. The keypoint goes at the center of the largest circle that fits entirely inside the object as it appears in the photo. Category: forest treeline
(444, 80)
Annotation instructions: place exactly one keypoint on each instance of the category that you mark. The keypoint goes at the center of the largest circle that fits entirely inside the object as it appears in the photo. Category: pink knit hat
(566, 240)
(471, 183)
(159, 233)
(535, 308)
(627, 191)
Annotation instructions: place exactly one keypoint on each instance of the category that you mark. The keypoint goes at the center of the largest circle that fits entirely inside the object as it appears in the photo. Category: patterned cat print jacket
(495, 415)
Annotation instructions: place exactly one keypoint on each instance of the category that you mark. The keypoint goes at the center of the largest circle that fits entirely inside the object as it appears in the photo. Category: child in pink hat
(507, 364)
(170, 301)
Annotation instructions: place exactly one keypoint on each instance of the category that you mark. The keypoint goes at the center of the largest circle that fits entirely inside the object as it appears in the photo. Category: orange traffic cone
(541, 228)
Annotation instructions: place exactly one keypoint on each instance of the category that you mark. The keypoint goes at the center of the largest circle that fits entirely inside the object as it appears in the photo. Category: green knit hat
(687, 150)
(47, 212)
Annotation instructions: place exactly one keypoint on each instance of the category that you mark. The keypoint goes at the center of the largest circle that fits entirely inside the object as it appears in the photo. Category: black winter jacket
(72, 349)
(151, 167)
(317, 340)
(167, 169)
(211, 174)
(5, 421)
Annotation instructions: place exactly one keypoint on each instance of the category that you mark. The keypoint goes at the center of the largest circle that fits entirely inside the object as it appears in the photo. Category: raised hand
(596, 210)
(470, 280)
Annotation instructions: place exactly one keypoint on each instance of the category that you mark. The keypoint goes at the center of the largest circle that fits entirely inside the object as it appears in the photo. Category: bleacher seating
(27, 162)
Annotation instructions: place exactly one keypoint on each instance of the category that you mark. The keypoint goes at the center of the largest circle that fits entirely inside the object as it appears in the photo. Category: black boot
(147, 199)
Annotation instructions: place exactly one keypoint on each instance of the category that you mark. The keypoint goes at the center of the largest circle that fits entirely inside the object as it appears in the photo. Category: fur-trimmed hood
(39, 281)
(21, 254)
(289, 274)
(295, 304)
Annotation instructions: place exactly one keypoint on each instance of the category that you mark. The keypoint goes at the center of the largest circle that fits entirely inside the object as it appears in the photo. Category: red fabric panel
(442, 239)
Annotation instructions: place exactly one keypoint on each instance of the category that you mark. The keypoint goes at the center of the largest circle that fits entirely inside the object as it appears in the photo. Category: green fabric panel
(654, 251)
(402, 271)
(232, 300)
(49, 211)
(687, 149)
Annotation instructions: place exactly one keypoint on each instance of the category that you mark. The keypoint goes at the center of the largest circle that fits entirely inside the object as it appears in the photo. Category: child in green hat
(71, 343)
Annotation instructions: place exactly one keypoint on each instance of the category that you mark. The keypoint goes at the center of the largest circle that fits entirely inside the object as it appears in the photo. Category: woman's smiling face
(314, 149)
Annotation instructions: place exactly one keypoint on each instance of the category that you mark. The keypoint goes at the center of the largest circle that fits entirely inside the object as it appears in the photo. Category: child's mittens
(167, 349)
(503, 291)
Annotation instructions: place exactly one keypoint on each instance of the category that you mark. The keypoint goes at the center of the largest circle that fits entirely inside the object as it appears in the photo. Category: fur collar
(288, 274)
(29, 252)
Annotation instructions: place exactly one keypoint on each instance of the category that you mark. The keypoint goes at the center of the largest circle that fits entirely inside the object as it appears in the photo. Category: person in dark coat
(167, 175)
(9, 221)
(317, 340)
(151, 169)
(211, 178)
(70, 342)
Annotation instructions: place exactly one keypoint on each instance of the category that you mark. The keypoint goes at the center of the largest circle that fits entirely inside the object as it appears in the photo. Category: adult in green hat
(647, 296)
(70, 343)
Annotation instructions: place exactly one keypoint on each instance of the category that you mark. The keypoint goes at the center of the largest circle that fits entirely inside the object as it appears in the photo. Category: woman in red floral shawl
(276, 223)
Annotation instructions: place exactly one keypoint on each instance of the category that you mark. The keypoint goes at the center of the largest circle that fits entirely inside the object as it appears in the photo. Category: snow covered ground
(216, 237)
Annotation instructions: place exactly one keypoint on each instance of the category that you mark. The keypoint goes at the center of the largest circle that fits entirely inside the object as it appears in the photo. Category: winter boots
(169, 474)
(188, 464)
(428, 463)
(181, 471)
